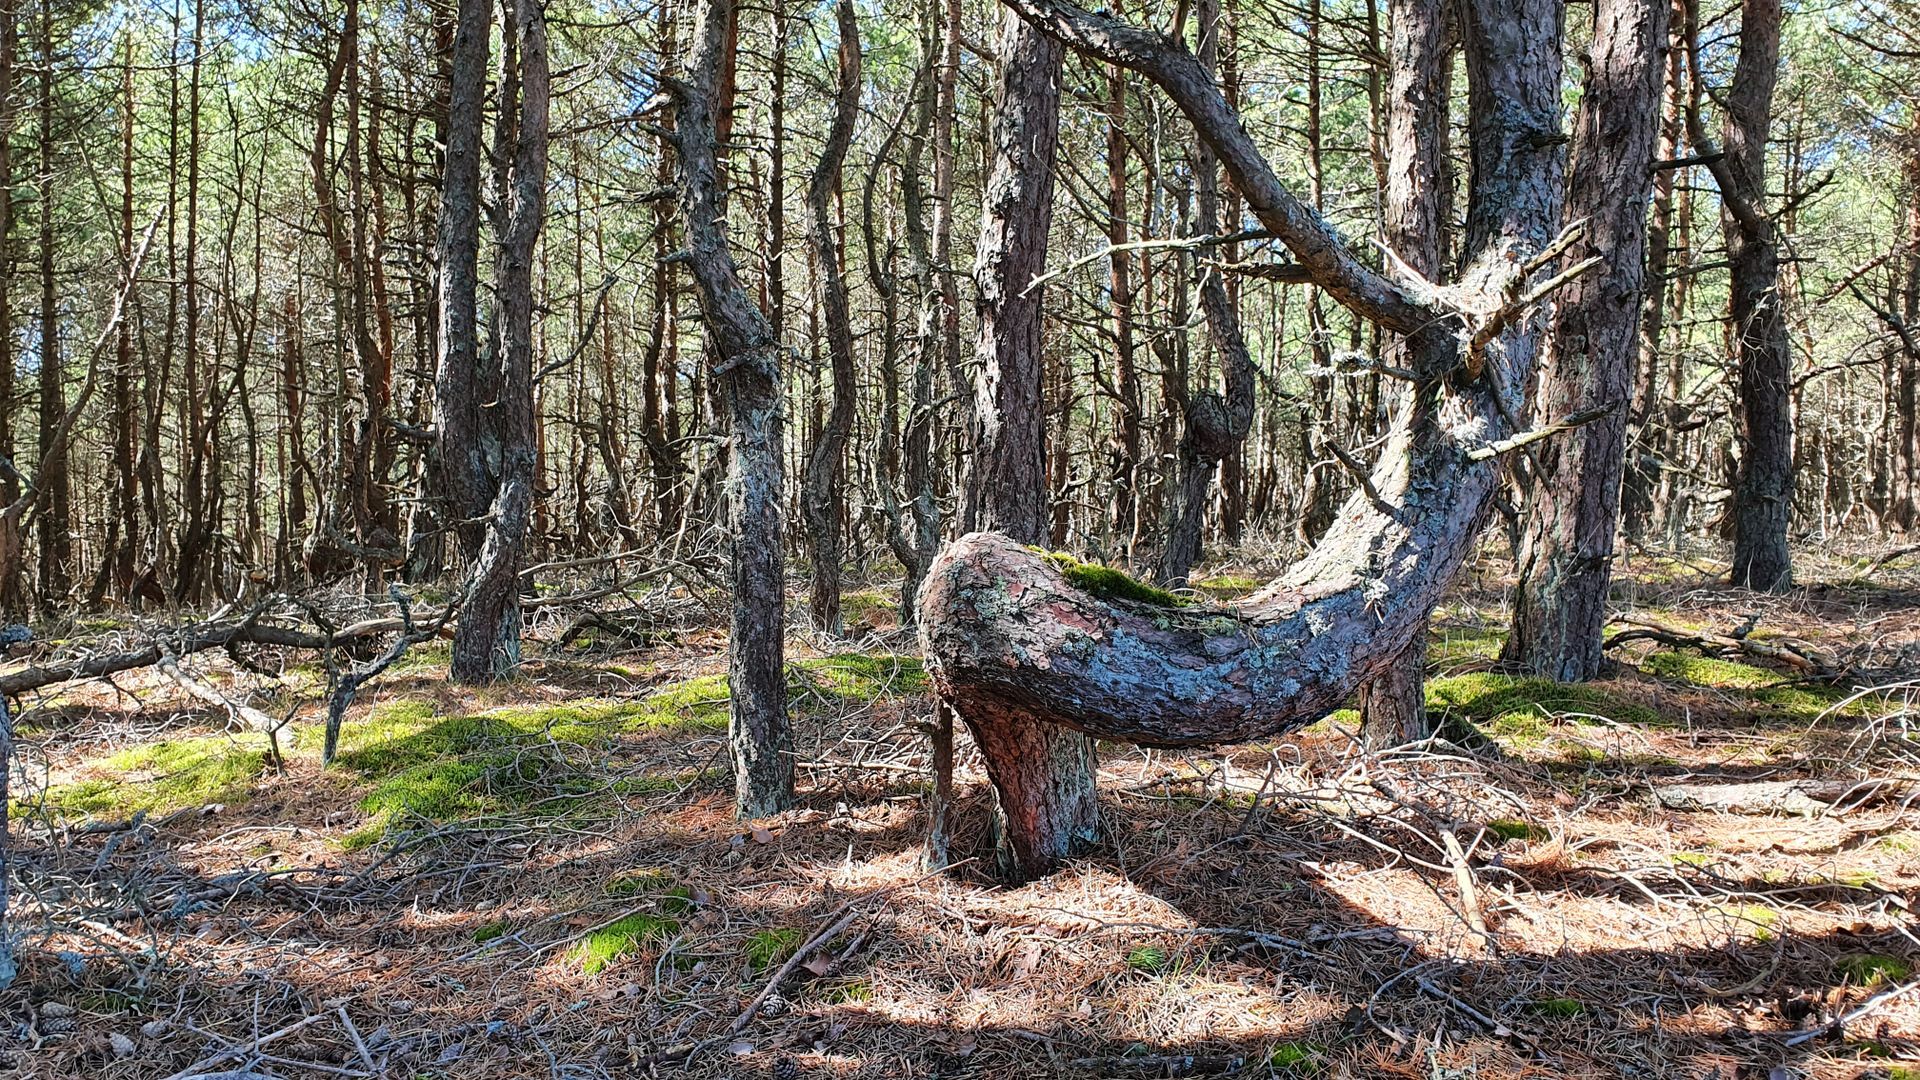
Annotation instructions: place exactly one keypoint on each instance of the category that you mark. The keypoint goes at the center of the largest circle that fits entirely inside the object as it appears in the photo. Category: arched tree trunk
(1566, 558)
(823, 486)
(1012, 641)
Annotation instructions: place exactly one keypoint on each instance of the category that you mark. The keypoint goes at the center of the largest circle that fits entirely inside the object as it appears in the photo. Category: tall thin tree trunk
(745, 359)
(459, 386)
(56, 501)
(823, 486)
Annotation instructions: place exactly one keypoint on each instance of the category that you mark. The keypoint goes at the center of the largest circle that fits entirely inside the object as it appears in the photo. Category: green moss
(601, 948)
(852, 990)
(769, 947)
(1464, 645)
(164, 776)
(1523, 712)
(1109, 584)
(1867, 969)
(489, 931)
(1515, 829)
(863, 677)
(1151, 959)
(1296, 1058)
(1707, 671)
(1559, 1006)
(1227, 586)
(869, 606)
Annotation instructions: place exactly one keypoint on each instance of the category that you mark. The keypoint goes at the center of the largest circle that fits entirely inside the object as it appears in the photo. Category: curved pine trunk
(823, 485)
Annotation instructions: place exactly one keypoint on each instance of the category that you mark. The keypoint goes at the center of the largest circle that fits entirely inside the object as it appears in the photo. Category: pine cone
(785, 1068)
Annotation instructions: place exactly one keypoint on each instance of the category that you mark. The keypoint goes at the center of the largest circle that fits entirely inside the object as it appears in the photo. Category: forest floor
(544, 879)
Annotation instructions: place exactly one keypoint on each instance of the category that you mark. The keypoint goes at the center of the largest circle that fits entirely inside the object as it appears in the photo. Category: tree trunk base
(1393, 706)
(1043, 776)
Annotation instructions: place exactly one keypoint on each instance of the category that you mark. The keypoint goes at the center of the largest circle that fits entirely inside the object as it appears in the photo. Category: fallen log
(1794, 652)
(1804, 798)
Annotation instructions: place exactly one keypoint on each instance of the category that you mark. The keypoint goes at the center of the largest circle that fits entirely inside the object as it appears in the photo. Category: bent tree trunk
(745, 362)
(1012, 641)
(1044, 775)
(1566, 557)
(823, 488)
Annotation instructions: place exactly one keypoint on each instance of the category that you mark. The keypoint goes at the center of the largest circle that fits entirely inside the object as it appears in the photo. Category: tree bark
(746, 366)
(1213, 425)
(1763, 484)
(1393, 707)
(459, 389)
(1044, 775)
(1566, 558)
(823, 485)
(1011, 641)
(486, 643)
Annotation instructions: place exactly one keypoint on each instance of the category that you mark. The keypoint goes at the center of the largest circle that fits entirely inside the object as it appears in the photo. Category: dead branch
(1791, 651)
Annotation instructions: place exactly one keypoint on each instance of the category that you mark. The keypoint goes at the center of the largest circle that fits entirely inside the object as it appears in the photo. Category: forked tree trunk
(745, 358)
(823, 487)
(1213, 425)
(1566, 559)
(486, 643)
(1012, 643)
(1044, 774)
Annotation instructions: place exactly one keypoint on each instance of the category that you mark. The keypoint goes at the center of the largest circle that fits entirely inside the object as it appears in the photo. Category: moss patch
(1109, 584)
(1866, 969)
(1559, 1006)
(769, 947)
(164, 776)
(1523, 713)
(624, 937)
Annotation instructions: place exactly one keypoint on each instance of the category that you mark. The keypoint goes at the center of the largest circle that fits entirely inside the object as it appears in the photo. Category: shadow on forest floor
(544, 880)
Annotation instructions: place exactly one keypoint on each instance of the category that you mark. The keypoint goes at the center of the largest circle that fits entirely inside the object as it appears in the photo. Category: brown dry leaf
(761, 835)
(819, 963)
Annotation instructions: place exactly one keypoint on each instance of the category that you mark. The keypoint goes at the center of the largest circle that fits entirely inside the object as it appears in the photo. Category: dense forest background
(259, 417)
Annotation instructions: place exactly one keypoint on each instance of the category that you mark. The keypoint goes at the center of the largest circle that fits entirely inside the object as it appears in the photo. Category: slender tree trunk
(745, 358)
(1763, 485)
(1213, 425)
(823, 486)
(1044, 775)
(1125, 471)
(56, 501)
(1566, 558)
(460, 388)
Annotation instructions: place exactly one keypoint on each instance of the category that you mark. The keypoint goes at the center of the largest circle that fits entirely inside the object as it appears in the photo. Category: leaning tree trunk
(1393, 706)
(1044, 774)
(486, 643)
(823, 487)
(745, 360)
(1566, 555)
(1012, 641)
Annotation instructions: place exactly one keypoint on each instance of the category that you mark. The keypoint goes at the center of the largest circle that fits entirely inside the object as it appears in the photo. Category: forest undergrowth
(1701, 865)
